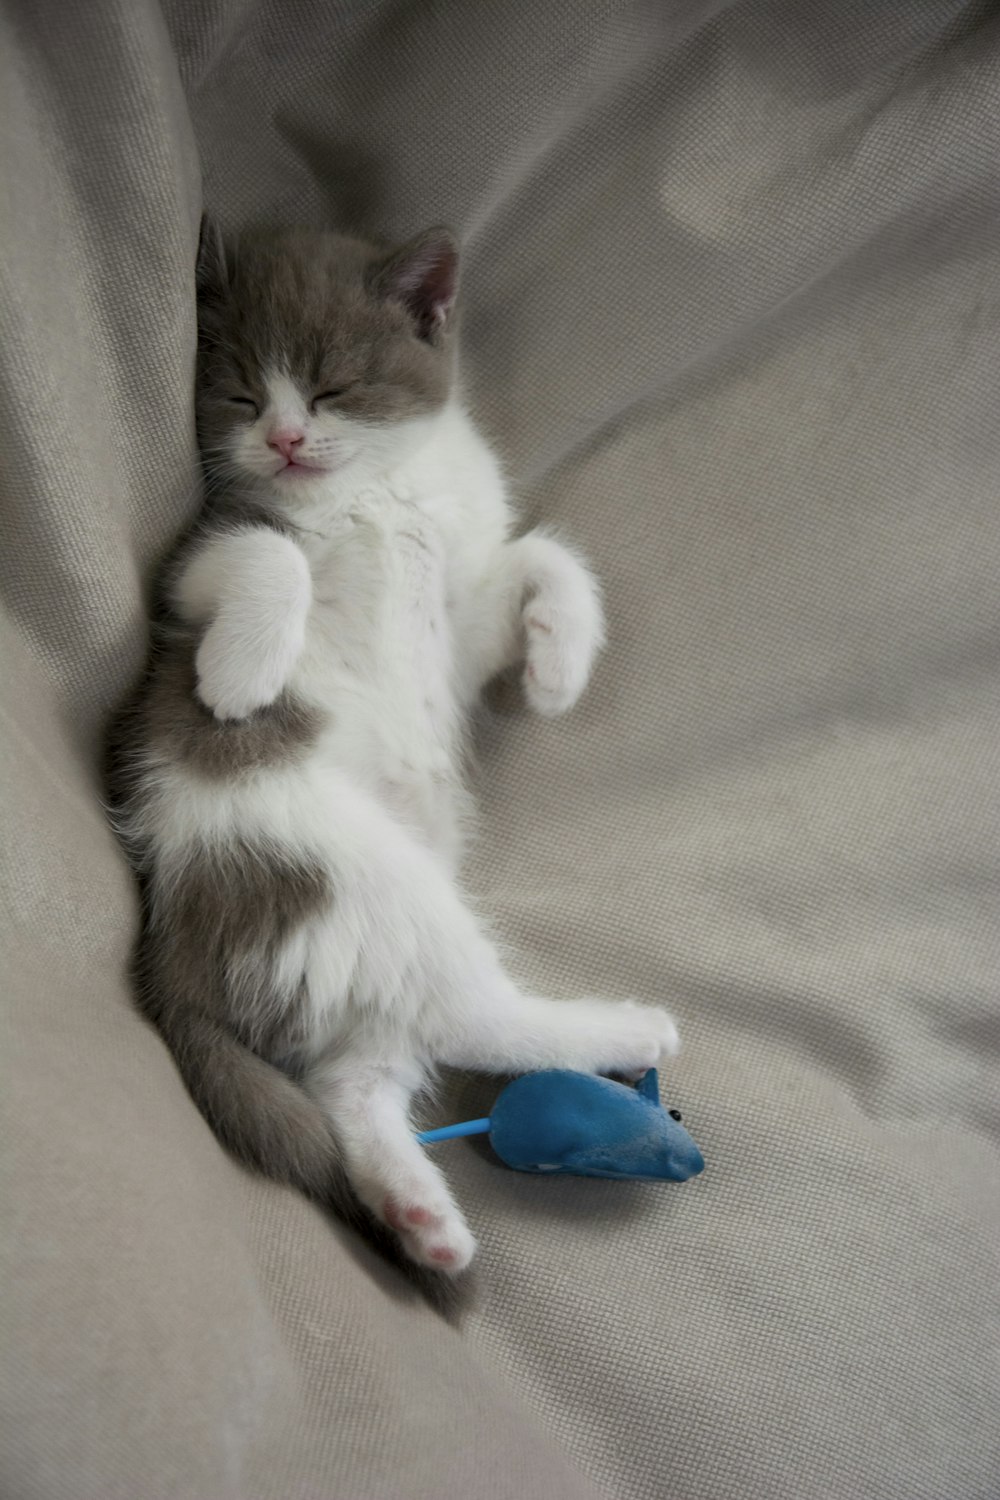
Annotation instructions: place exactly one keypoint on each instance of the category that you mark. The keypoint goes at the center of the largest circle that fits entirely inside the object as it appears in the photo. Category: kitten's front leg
(253, 588)
(544, 609)
(563, 624)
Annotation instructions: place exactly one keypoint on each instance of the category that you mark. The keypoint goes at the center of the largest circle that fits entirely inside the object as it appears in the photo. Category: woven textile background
(731, 292)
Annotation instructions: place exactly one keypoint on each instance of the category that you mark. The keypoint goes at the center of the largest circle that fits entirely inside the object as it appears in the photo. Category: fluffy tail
(272, 1125)
(260, 1114)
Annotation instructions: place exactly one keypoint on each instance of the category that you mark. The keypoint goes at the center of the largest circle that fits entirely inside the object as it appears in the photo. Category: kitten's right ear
(423, 275)
(212, 273)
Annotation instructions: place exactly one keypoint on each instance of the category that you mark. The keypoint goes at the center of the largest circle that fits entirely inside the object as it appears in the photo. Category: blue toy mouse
(560, 1121)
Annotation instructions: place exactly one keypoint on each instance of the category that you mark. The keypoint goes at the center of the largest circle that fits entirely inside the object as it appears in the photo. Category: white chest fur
(378, 655)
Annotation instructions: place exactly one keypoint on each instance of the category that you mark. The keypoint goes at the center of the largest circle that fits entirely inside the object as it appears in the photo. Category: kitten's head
(320, 354)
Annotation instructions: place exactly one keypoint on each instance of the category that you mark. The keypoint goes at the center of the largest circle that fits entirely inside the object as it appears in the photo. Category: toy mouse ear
(649, 1086)
(423, 275)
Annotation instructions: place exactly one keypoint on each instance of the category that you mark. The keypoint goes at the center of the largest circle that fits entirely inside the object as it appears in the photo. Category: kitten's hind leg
(367, 1102)
(503, 1030)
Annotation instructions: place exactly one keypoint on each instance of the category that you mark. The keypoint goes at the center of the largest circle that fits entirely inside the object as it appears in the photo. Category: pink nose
(285, 439)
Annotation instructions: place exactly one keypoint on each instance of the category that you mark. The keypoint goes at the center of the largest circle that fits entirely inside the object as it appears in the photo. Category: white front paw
(231, 684)
(559, 659)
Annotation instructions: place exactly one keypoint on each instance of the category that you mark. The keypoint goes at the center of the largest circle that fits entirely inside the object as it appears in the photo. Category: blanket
(731, 285)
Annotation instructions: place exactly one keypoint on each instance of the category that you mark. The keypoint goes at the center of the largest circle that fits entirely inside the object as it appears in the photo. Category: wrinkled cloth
(730, 291)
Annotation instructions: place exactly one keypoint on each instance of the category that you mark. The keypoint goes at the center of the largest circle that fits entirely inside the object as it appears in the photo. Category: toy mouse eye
(675, 1114)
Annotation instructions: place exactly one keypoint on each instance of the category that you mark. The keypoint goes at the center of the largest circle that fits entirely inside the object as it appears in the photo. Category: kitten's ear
(212, 273)
(423, 275)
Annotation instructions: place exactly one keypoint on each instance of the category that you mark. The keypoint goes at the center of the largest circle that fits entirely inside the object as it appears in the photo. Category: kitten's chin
(300, 474)
(298, 485)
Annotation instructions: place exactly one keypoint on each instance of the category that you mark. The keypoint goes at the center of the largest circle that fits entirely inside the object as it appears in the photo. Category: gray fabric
(731, 310)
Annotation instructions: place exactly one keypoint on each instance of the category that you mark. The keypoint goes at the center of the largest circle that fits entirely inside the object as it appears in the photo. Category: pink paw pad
(442, 1255)
(405, 1216)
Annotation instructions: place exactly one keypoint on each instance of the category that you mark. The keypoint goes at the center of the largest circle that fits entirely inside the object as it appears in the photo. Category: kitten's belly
(401, 747)
(377, 663)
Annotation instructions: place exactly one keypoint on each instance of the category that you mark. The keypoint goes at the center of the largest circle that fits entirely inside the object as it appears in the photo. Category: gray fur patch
(339, 314)
(204, 973)
(208, 947)
(214, 938)
(173, 725)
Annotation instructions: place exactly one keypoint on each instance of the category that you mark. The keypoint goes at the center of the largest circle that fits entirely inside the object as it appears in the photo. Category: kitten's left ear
(423, 275)
(212, 274)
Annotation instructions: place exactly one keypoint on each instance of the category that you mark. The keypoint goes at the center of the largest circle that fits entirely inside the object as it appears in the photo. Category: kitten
(294, 766)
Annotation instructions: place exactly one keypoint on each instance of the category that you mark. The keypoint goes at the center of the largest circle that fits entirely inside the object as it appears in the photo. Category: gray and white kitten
(294, 768)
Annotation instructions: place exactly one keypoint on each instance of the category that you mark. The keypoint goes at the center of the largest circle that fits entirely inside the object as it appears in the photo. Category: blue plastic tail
(452, 1132)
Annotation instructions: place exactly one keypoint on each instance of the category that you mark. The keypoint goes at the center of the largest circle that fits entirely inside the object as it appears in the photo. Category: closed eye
(244, 402)
(334, 394)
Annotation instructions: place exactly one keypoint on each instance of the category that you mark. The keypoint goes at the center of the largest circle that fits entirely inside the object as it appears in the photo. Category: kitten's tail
(258, 1113)
(272, 1125)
